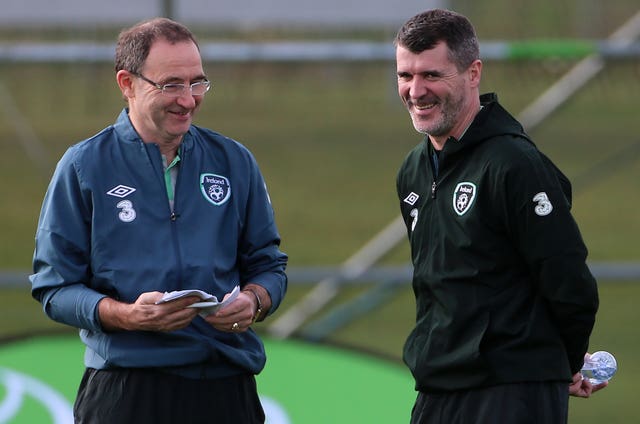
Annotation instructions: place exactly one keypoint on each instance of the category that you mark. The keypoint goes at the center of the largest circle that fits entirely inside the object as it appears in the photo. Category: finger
(599, 386)
(149, 298)
(577, 378)
(233, 326)
(174, 316)
(179, 304)
(573, 389)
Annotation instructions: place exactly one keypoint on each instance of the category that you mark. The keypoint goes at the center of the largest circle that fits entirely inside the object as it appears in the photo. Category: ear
(475, 73)
(125, 82)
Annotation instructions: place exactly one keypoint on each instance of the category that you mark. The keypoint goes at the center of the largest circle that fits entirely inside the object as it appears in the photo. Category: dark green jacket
(502, 289)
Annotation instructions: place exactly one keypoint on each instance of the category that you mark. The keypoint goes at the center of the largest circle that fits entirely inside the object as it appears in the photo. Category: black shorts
(519, 403)
(151, 396)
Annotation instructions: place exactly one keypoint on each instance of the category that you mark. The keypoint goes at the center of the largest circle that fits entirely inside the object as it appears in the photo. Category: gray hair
(425, 30)
(134, 43)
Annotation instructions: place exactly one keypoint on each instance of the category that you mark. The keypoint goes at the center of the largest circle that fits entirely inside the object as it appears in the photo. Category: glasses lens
(173, 90)
(177, 90)
(199, 88)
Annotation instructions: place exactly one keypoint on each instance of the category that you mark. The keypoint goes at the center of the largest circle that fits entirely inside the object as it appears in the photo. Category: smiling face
(158, 118)
(441, 99)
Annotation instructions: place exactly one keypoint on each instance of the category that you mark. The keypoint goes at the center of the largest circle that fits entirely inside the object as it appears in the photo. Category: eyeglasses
(177, 90)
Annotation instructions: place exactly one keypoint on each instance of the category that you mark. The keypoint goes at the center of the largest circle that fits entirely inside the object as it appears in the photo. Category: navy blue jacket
(106, 229)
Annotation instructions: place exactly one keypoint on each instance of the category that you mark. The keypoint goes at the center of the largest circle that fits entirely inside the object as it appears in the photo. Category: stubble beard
(444, 123)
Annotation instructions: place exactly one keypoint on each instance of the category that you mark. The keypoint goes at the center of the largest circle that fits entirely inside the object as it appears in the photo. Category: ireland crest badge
(463, 197)
(215, 188)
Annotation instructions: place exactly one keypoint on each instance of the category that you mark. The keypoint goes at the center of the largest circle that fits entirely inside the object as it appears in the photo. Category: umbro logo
(412, 198)
(121, 191)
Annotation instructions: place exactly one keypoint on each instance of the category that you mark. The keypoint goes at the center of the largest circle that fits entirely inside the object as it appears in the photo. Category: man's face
(435, 93)
(155, 116)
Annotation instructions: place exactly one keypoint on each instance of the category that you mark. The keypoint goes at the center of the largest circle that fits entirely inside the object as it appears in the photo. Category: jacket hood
(492, 121)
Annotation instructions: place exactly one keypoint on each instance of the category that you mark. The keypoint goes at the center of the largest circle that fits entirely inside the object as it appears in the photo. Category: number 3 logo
(544, 206)
(127, 214)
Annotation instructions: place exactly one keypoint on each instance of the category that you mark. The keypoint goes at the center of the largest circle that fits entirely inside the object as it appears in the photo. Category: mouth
(181, 114)
(424, 103)
(424, 106)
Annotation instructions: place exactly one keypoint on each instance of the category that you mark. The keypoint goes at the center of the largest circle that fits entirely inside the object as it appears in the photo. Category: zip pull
(434, 186)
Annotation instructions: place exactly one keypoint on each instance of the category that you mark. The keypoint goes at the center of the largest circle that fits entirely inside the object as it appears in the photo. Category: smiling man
(155, 204)
(505, 301)
(441, 99)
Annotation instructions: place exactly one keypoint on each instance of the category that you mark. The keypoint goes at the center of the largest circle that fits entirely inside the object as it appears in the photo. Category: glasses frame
(163, 87)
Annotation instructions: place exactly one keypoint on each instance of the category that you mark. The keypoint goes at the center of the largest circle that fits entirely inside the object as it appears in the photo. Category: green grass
(383, 333)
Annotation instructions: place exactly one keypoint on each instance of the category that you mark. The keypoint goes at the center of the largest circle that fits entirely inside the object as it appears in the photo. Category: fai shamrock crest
(463, 197)
(215, 188)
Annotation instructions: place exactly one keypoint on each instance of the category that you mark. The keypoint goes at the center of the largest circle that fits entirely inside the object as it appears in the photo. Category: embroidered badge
(463, 197)
(414, 215)
(215, 188)
(127, 212)
(412, 198)
(121, 191)
(543, 204)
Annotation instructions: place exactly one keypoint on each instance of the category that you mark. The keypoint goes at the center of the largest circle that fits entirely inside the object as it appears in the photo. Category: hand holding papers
(209, 303)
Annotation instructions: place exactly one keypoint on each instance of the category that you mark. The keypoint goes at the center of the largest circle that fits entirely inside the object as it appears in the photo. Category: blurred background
(309, 88)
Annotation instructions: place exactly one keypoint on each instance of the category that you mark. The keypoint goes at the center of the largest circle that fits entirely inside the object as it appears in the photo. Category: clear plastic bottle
(599, 367)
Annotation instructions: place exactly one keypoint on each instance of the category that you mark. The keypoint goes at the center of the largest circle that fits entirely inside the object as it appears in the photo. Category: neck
(169, 151)
(458, 131)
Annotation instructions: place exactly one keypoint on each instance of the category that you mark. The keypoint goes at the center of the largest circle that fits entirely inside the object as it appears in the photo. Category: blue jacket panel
(106, 229)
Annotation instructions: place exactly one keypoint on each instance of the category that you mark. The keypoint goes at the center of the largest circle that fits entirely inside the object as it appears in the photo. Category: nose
(188, 100)
(417, 88)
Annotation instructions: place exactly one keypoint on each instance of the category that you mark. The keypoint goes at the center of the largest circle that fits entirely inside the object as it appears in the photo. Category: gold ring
(235, 326)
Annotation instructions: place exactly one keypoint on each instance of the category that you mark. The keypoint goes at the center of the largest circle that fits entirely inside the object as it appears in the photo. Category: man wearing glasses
(151, 205)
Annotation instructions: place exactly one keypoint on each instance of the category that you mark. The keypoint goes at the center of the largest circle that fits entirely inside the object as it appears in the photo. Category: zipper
(435, 167)
(174, 216)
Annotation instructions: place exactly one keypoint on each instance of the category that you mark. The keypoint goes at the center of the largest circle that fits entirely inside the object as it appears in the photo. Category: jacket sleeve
(261, 261)
(61, 258)
(549, 239)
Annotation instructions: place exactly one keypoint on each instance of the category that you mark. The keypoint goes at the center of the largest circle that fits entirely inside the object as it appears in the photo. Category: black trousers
(139, 396)
(520, 403)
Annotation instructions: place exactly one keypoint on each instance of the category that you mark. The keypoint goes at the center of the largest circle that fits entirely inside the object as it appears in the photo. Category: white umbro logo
(121, 191)
(412, 198)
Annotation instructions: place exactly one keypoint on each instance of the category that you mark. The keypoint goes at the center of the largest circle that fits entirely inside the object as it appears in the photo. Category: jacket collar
(126, 132)
(491, 121)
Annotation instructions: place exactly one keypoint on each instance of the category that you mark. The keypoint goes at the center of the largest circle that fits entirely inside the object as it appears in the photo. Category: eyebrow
(429, 72)
(178, 80)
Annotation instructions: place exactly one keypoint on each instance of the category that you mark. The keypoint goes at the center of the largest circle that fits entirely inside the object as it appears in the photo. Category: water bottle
(599, 367)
